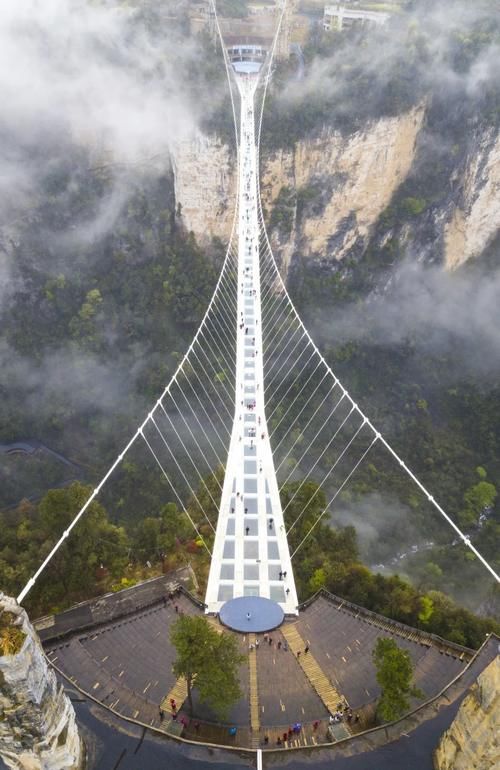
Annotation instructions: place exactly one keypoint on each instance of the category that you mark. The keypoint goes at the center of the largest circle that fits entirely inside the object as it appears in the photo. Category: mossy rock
(11, 636)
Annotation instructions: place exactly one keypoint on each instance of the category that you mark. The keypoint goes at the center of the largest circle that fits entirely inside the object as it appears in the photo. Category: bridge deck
(250, 554)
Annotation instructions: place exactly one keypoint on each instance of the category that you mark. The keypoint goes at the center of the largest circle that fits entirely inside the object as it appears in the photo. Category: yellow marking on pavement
(136, 713)
(254, 690)
(311, 668)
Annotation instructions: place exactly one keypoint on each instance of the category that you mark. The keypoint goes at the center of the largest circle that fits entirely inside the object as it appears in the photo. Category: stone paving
(342, 644)
(285, 695)
(126, 664)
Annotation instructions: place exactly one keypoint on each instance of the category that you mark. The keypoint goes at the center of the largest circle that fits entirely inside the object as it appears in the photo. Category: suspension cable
(375, 438)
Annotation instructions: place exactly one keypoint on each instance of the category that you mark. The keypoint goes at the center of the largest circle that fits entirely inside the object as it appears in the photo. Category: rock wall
(352, 180)
(361, 173)
(341, 185)
(38, 729)
(473, 740)
(205, 186)
(475, 220)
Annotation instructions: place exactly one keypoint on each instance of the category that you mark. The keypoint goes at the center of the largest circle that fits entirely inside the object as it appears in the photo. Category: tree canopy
(208, 661)
(394, 674)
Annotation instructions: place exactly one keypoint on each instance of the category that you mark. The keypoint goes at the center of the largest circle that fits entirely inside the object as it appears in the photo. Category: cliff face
(475, 218)
(37, 721)
(205, 186)
(473, 740)
(353, 177)
(330, 191)
(345, 184)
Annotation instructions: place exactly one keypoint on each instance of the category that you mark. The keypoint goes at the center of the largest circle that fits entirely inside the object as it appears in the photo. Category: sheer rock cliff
(473, 740)
(38, 728)
(326, 197)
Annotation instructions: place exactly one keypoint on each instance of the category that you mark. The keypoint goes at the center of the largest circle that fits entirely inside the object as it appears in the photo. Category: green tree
(174, 526)
(75, 568)
(426, 609)
(189, 283)
(317, 580)
(83, 327)
(208, 661)
(147, 536)
(477, 499)
(394, 674)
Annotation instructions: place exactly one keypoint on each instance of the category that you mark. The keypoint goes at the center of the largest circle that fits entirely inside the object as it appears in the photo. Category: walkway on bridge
(250, 555)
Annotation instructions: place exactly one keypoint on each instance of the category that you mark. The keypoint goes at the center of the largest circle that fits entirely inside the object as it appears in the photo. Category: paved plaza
(343, 645)
(125, 663)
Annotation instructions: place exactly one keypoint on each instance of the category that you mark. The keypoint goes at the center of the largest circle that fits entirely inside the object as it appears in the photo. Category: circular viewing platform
(254, 614)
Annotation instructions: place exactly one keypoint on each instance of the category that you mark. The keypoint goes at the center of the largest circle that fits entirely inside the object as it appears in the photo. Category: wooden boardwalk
(178, 693)
(254, 692)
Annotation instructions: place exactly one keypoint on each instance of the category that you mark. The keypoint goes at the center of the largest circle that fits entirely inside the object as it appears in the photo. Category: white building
(339, 17)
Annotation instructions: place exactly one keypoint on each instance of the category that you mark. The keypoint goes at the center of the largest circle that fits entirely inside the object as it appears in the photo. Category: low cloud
(439, 312)
(417, 49)
(383, 526)
(94, 69)
(84, 85)
(70, 379)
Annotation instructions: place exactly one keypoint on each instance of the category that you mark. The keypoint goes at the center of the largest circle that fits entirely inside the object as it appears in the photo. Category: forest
(105, 556)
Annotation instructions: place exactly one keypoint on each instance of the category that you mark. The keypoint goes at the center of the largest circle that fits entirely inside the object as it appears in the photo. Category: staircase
(178, 693)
